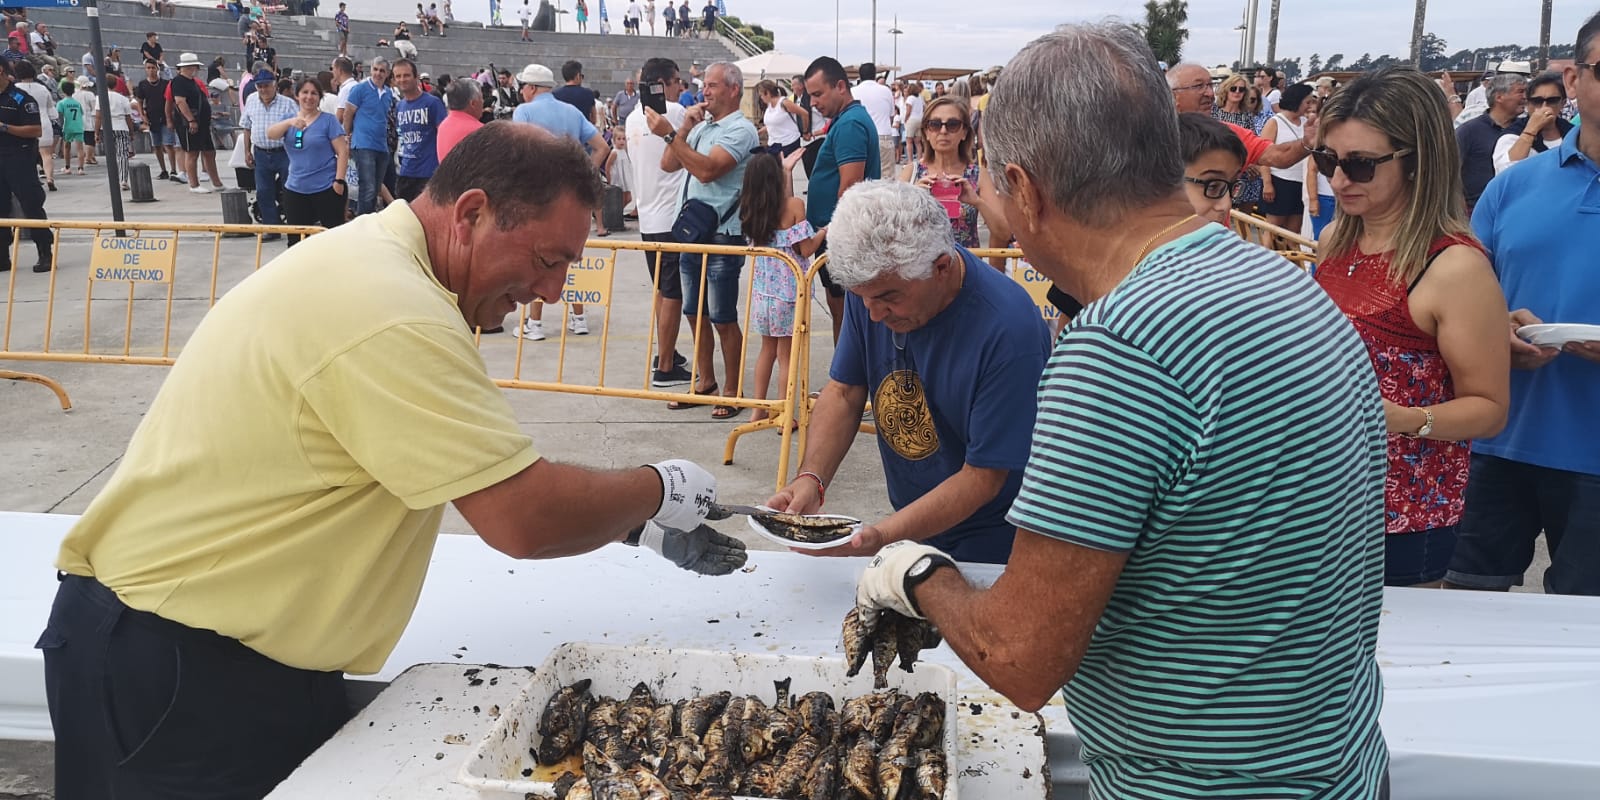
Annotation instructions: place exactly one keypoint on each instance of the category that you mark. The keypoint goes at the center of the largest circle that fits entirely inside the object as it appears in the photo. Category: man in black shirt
(152, 96)
(1477, 137)
(575, 94)
(20, 128)
(191, 118)
(151, 49)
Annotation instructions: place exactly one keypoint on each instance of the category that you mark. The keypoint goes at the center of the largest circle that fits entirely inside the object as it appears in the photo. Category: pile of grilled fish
(807, 528)
(881, 746)
(889, 635)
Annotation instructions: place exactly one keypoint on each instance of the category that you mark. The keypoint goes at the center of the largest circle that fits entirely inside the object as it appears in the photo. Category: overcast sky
(979, 33)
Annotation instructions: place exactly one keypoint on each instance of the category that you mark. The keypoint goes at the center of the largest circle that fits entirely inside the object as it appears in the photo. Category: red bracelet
(822, 488)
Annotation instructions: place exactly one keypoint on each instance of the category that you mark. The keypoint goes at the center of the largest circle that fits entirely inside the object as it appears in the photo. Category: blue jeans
(722, 283)
(1326, 204)
(272, 170)
(1508, 504)
(371, 167)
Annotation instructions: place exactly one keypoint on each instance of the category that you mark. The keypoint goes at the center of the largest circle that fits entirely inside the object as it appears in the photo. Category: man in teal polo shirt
(1540, 223)
(367, 123)
(848, 156)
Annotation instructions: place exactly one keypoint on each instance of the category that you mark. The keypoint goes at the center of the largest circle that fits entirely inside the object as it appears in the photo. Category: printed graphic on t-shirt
(903, 418)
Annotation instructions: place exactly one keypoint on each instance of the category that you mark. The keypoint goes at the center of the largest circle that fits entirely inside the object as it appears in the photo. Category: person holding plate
(949, 351)
(1542, 473)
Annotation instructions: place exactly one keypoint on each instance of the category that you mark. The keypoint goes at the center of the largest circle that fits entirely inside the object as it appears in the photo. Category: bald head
(1191, 88)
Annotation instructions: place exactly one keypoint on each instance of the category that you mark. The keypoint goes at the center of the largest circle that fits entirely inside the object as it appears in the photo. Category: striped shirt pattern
(258, 117)
(1217, 419)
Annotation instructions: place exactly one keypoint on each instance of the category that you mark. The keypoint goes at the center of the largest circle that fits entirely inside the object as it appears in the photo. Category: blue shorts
(1417, 556)
(1508, 504)
(163, 136)
(722, 283)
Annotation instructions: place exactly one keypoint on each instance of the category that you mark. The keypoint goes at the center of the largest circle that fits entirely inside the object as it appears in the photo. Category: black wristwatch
(923, 570)
(340, 181)
(668, 137)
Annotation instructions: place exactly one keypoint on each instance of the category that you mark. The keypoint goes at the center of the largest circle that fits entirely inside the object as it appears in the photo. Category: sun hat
(190, 60)
(537, 75)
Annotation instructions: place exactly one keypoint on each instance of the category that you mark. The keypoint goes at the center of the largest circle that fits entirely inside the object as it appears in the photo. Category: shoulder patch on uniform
(31, 107)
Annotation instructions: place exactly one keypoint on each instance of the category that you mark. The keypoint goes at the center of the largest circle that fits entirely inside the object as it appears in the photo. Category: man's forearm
(834, 424)
(1283, 155)
(955, 499)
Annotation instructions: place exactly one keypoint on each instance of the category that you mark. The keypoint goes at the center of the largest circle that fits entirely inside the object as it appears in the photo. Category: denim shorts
(1417, 556)
(1508, 504)
(722, 283)
(163, 136)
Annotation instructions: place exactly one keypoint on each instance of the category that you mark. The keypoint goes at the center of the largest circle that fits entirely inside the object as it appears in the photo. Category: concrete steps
(308, 44)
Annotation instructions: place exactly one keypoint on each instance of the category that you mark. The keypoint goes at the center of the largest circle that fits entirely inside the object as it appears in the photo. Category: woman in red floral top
(1402, 263)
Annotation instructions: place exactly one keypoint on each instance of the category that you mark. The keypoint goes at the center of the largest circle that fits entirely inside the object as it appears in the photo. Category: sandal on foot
(675, 405)
(725, 412)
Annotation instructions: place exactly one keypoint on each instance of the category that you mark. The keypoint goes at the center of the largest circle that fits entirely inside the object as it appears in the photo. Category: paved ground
(56, 462)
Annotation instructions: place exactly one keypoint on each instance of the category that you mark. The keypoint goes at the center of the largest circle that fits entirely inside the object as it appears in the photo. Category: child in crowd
(772, 216)
(1213, 158)
(71, 126)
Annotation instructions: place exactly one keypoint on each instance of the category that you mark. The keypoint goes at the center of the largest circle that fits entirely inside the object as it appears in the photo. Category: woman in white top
(778, 116)
(650, 15)
(1543, 128)
(1320, 200)
(914, 113)
(1282, 198)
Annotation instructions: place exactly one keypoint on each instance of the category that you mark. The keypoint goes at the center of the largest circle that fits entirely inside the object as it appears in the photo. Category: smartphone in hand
(655, 97)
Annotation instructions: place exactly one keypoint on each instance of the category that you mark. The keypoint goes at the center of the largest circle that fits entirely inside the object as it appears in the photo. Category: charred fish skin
(883, 649)
(649, 785)
(697, 715)
(615, 787)
(657, 733)
(931, 710)
(604, 712)
(578, 790)
(822, 780)
(857, 641)
(912, 636)
(636, 712)
(895, 757)
(860, 767)
(931, 774)
(796, 765)
(563, 723)
(563, 785)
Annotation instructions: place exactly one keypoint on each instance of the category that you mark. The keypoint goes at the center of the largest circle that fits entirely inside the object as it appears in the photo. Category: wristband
(822, 488)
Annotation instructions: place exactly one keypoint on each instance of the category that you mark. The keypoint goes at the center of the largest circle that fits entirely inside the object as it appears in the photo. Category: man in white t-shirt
(344, 76)
(879, 103)
(525, 14)
(656, 195)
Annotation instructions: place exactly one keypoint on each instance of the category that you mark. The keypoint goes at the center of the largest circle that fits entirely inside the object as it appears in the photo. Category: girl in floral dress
(772, 216)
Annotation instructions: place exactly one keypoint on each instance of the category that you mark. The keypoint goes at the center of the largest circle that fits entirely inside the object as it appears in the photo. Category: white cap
(190, 60)
(537, 75)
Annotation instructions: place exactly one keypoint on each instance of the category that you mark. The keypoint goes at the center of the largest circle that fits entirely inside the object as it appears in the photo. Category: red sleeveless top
(1427, 478)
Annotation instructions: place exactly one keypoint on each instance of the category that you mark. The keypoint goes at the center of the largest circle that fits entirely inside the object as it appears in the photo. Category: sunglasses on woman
(1359, 169)
(1216, 188)
(1235, 90)
(946, 125)
(299, 138)
(1553, 102)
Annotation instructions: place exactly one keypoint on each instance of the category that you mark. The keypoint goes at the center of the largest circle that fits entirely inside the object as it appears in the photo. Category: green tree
(1335, 63)
(1314, 64)
(1432, 53)
(1164, 28)
(1363, 63)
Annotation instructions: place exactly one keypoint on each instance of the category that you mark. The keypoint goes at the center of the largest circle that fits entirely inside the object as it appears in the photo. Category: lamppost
(874, 32)
(895, 32)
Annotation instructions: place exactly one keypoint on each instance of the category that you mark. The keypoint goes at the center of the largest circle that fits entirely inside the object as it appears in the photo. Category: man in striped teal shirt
(1200, 526)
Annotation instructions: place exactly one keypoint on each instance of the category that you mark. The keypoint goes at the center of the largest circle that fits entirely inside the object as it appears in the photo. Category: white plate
(1555, 335)
(773, 537)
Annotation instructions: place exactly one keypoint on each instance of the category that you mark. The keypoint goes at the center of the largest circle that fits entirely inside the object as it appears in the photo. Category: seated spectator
(402, 41)
(922, 309)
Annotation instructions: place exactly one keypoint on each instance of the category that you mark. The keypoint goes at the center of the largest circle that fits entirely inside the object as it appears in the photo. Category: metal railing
(738, 39)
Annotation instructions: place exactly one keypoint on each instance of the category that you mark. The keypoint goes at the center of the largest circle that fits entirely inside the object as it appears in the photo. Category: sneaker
(178, 177)
(164, 176)
(532, 330)
(43, 265)
(578, 325)
(200, 189)
(677, 376)
(678, 360)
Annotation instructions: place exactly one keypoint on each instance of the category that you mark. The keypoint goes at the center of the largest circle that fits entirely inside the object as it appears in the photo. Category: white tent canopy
(772, 64)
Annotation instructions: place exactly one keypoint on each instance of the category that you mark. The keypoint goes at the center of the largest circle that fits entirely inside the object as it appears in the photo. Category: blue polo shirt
(852, 138)
(738, 137)
(372, 105)
(1540, 223)
(557, 117)
(961, 389)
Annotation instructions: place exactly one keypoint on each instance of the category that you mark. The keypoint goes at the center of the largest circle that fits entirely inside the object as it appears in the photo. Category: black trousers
(146, 708)
(809, 160)
(325, 208)
(19, 178)
(409, 189)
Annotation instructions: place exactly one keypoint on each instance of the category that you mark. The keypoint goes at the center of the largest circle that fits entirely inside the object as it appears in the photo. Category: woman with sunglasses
(319, 153)
(1402, 263)
(949, 168)
(1543, 127)
(1233, 106)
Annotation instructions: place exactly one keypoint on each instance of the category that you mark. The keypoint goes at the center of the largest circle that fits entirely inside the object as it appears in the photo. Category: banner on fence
(140, 259)
(1037, 285)
(589, 281)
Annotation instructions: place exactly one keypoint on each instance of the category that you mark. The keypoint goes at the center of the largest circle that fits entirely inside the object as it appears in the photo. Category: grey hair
(376, 60)
(730, 72)
(1505, 84)
(1085, 113)
(461, 93)
(883, 227)
(1178, 69)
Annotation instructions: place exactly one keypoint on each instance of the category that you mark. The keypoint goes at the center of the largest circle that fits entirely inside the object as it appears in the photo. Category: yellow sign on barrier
(140, 259)
(589, 281)
(1037, 285)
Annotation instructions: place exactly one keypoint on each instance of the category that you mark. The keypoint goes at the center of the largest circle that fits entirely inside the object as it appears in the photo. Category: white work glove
(687, 494)
(883, 582)
(701, 550)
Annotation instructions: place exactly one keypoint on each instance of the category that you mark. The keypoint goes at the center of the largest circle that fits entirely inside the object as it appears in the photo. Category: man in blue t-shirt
(1540, 222)
(366, 120)
(848, 156)
(417, 119)
(949, 351)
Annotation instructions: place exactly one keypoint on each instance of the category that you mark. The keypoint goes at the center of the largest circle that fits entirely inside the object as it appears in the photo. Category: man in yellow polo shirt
(272, 521)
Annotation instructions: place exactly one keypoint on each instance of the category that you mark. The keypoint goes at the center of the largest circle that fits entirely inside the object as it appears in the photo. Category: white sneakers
(532, 330)
(577, 325)
(202, 189)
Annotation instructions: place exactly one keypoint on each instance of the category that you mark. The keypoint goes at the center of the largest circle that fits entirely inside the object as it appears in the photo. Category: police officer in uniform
(19, 151)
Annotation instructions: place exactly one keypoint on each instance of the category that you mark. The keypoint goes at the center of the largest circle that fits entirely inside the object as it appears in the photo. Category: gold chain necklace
(1145, 251)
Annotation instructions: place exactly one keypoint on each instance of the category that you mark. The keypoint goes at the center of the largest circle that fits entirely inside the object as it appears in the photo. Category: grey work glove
(701, 550)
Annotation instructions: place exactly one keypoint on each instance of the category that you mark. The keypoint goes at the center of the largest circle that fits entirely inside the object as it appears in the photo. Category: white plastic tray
(495, 765)
(761, 530)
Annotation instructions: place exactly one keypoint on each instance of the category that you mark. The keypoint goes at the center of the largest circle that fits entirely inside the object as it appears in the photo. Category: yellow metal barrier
(142, 255)
(1257, 230)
